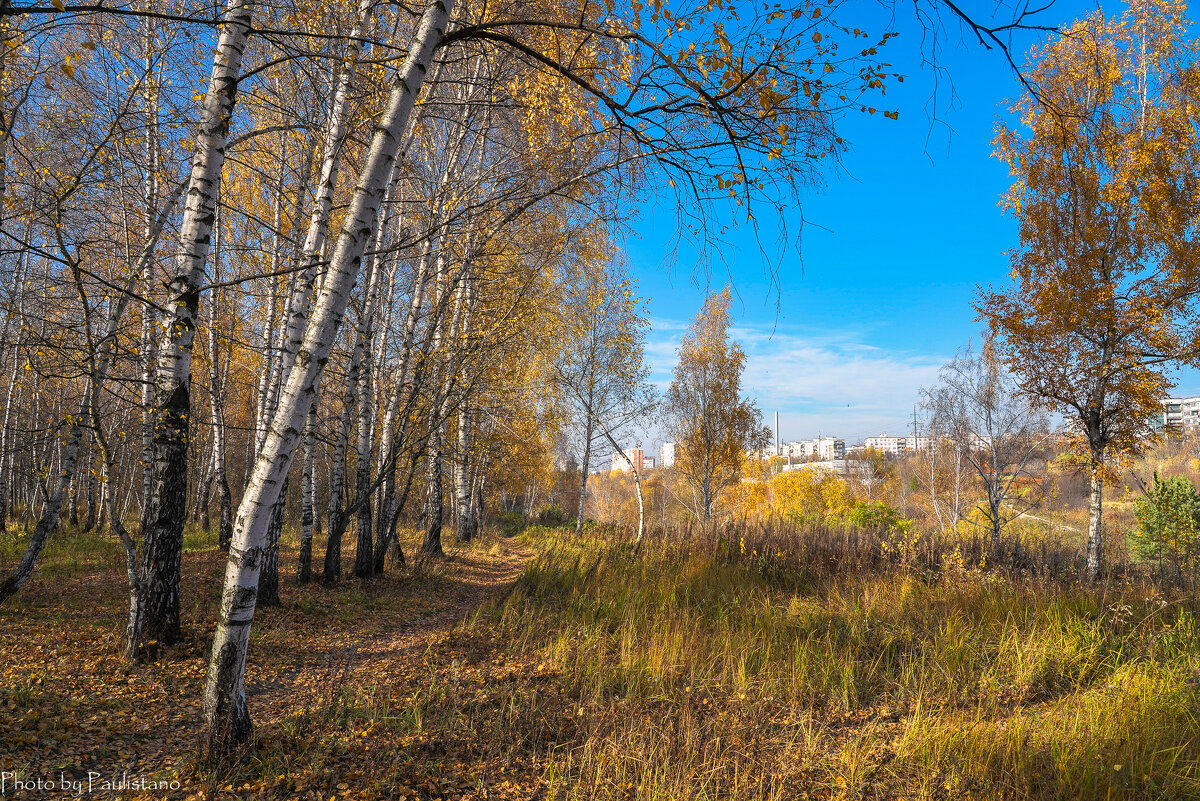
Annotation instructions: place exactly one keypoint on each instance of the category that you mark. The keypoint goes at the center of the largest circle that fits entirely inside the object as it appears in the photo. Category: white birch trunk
(150, 200)
(227, 718)
(337, 485)
(403, 386)
(1095, 541)
(308, 499)
(217, 405)
(165, 507)
(322, 209)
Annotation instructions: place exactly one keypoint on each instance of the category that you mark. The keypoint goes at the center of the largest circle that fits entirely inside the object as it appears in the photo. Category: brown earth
(71, 708)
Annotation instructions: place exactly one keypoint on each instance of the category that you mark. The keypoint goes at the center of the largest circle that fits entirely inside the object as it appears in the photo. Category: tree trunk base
(229, 732)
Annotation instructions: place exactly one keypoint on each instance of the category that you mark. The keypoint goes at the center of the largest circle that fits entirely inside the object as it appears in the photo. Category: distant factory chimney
(776, 433)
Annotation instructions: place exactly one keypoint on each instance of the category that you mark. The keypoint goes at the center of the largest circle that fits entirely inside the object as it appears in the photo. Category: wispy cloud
(829, 383)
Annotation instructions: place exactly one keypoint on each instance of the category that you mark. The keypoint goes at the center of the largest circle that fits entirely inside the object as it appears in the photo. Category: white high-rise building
(897, 445)
(666, 454)
(821, 447)
(1179, 413)
(619, 462)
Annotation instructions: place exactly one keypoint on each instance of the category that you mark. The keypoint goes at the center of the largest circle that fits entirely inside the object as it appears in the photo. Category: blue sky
(891, 252)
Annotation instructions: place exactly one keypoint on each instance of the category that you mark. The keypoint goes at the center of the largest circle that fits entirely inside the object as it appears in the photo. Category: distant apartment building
(839, 467)
(1179, 413)
(637, 455)
(893, 446)
(666, 454)
(820, 447)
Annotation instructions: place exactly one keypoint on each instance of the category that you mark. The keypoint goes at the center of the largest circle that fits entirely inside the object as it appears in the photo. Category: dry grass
(760, 663)
(706, 672)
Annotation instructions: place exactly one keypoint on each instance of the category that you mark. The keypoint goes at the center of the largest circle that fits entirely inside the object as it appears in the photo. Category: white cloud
(831, 384)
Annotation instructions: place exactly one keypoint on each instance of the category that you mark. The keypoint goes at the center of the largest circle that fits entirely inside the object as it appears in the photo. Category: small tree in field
(712, 425)
(1168, 531)
(601, 367)
(1106, 270)
(995, 429)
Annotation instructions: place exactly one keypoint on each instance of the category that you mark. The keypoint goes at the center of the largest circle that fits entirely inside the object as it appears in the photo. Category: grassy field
(724, 672)
(764, 664)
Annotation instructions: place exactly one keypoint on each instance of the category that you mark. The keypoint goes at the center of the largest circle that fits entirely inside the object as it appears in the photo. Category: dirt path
(70, 706)
(437, 596)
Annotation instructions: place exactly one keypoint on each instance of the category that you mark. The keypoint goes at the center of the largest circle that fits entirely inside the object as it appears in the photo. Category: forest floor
(775, 665)
(77, 718)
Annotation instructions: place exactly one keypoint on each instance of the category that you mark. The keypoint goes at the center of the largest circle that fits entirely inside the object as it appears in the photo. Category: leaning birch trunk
(227, 719)
(322, 208)
(279, 341)
(133, 623)
(50, 510)
(637, 481)
(162, 520)
(268, 587)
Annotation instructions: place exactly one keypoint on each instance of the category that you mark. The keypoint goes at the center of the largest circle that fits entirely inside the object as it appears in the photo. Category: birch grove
(320, 283)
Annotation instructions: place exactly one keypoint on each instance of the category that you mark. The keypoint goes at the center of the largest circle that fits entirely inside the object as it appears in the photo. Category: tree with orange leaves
(1106, 273)
(712, 425)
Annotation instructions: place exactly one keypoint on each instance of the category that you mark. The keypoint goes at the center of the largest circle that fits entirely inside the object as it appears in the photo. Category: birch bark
(227, 718)
(307, 499)
(217, 403)
(163, 516)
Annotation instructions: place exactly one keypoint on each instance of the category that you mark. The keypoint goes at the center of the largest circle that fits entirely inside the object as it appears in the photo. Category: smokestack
(776, 433)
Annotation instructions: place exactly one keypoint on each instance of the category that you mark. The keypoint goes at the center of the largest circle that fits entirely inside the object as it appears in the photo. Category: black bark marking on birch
(230, 727)
(268, 582)
(243, 598)
(249, 559)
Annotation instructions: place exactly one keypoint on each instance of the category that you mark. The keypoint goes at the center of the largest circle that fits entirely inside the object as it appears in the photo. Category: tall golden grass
(785, 662)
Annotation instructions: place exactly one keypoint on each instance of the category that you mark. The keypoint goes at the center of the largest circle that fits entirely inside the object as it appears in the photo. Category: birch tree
(996, 429)
(714, 428)
(164, 513)
(1105, 274)
(227, 719)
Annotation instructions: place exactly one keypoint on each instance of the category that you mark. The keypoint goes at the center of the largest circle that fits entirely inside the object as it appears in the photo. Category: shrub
(553, 516)
(511, 523)
(1168, 532)
(876, 515)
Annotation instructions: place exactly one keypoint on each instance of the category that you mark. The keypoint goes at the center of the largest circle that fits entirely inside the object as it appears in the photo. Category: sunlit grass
(718, 678)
